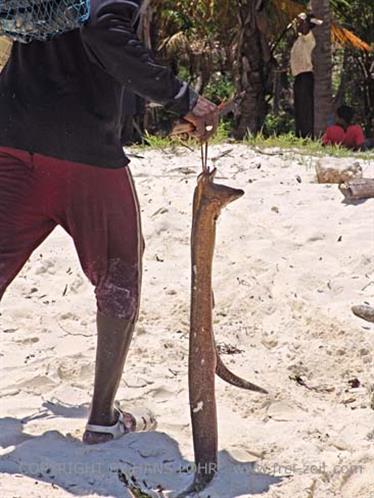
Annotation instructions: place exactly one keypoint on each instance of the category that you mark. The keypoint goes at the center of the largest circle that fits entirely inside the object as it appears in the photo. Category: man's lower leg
(113, 341)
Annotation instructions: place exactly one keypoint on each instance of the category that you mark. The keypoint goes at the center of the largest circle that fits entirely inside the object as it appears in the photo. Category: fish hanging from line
(204, 360)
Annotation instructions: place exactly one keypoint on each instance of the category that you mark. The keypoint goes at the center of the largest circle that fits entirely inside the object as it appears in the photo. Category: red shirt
(334, 135)
(352, 138)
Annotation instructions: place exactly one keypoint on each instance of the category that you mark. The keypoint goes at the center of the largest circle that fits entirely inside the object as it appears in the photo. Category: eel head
(213, 196)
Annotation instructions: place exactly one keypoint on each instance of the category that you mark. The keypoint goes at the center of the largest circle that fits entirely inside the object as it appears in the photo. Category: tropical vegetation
(242, 47)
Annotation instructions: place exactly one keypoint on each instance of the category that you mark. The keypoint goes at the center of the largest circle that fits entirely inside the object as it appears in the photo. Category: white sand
(291, 260)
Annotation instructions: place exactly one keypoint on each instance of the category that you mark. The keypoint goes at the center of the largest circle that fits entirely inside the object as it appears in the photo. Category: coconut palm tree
(238, 37)
(322, 66)
(251, 55)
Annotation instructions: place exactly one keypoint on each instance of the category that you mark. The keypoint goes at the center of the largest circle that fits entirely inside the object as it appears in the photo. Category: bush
(219, 88)
(280, 124)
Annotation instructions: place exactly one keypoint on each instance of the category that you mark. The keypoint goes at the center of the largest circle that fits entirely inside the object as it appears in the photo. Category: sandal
(136, 421)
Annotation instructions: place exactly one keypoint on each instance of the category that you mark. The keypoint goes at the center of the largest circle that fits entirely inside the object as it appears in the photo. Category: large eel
(204, 360)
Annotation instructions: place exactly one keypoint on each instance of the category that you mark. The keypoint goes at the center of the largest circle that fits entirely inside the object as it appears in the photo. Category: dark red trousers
(98, 207)
(304, 105)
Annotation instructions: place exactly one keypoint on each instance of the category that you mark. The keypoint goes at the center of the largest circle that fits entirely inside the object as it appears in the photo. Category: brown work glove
(205, 118)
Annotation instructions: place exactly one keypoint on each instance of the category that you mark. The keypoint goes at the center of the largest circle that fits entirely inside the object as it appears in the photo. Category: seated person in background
(343, 132)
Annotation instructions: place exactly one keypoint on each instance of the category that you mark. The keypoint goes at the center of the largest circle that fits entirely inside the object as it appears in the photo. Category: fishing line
(204, 156)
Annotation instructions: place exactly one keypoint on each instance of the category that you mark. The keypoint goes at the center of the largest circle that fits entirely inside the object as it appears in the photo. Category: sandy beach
(291, 260)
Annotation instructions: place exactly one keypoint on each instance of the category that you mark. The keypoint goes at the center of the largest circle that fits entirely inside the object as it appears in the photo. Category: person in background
(343, 132)
(302, 70)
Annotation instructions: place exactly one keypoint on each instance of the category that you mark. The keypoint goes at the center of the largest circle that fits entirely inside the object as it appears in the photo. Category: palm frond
(175, 43)
(344, 37)
(284, 11)
(5, 48)
(289, 8)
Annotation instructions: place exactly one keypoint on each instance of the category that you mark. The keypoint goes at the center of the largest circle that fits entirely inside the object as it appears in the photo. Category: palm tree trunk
(249, 69)
(145, 22)
(368, 64)
(344, 78)
(322, 67)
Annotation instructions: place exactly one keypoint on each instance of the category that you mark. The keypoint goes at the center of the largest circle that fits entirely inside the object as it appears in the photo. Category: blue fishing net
(28, 20)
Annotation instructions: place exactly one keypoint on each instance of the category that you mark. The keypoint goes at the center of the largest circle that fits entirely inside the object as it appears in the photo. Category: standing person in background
(302, 70)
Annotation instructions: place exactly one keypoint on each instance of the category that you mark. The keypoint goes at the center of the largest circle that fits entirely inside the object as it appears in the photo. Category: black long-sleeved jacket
(63, 98)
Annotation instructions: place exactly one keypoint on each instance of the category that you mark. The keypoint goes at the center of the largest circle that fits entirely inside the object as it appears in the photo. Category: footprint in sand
(45, 266)
(358, 481)
(37, 384)
(76, 371)
(76, 284)
(283, 411)
(27, 341)
(68, 316)
(162, 394)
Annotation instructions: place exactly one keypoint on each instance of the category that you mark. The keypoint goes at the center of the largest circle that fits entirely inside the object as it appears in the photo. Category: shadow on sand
(79, 469)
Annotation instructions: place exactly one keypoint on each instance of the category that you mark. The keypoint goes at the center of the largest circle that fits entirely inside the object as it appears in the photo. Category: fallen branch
(264, 153)
(362, 188)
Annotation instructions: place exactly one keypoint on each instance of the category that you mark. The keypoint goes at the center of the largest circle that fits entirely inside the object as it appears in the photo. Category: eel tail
(225, 374)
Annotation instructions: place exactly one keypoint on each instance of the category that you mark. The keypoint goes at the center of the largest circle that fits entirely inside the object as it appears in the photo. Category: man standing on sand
(61, 163)
(302, 70)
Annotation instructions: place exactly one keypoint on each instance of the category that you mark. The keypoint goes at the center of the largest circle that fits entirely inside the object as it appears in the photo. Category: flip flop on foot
(136, 421)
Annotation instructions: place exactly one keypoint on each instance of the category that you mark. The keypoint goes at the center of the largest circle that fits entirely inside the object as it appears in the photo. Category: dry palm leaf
(5, 48)
(282, 12)
(344, 37)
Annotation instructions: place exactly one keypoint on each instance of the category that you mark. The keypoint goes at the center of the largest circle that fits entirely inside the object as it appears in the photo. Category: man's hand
(205, 118)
